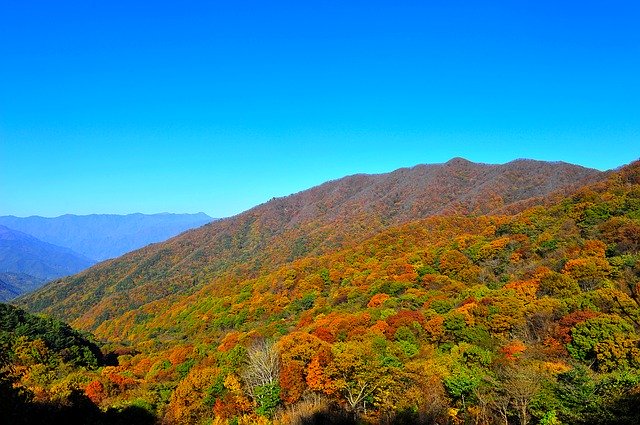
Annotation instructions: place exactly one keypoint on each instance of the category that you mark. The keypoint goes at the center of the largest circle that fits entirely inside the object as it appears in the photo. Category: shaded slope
(336, 214)
(15, 284)
(102, 236)
(44, 369)
(22, 254)
(67, 343)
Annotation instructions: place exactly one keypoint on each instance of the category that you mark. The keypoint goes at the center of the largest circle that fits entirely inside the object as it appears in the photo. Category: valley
(35, 250)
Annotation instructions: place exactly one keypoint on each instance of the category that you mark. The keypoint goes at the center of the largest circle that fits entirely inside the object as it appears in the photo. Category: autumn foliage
(529, 318)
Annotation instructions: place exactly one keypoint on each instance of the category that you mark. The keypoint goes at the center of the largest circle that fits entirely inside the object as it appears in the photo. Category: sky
(124, 106)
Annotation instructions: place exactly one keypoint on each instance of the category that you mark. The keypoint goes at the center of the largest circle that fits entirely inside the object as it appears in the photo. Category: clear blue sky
(184, 106)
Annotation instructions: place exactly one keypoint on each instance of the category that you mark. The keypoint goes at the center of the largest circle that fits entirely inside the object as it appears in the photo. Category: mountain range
(47, 248)
(331, 216)
(103, 236)
(444, 293)
(26, 262)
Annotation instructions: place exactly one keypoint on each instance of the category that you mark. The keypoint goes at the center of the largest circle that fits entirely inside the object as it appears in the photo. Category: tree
(457, 266)
(589, 272)
(261, 376)
(317, 379)
(187, 404)
(513, 391)
(297, 350)
(575, 392)
(95, 391)
(558, 285)
(268, 398)
(292, 382)
(462, 382)
(608, 341)
(358, 372)
(263, 365)
(522, 383)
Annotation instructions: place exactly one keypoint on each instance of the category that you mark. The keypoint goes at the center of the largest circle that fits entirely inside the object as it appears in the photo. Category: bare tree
(492, 396)
(522, 385)
(263, 366)
(514, 390)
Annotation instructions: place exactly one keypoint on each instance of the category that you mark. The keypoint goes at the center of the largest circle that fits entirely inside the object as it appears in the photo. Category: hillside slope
(14, 284)
(22, 254)
(322, 219)
(534, 318)
(103, 236)
(525, 318)
(598, 226)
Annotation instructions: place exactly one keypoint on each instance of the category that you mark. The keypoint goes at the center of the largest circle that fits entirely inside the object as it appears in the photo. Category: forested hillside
(527, 318)
(323, 219)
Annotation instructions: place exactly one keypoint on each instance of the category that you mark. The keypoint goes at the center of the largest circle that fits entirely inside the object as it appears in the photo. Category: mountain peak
(458, 161)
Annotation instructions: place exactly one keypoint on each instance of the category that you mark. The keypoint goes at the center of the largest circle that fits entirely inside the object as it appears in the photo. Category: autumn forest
(458, 293)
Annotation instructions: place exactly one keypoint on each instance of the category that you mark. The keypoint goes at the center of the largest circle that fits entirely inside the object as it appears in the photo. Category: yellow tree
(358, 372)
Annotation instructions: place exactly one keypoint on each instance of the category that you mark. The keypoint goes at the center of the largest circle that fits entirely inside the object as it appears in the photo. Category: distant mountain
(103, 236)
(328, 217)
(26, 262)
(15, 284)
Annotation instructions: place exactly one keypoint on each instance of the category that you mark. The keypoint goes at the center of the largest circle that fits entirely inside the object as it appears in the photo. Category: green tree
(607, 341)
(268, 398)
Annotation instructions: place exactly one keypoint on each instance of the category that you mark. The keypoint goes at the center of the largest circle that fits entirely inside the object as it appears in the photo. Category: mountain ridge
(329, 216)
(460, 310)
(103, 236)
(26, 262)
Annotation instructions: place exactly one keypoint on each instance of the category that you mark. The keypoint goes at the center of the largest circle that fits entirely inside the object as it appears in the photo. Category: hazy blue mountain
(103, 236)
(14, 284)
(26, 262)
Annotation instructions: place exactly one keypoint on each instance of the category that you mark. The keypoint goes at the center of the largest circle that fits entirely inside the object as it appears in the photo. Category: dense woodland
(525, 318)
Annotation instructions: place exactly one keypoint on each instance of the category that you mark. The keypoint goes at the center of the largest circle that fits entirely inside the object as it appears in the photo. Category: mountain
(530, 314)
(26, 262)
(36, 253)
(103, 236)
(336, 214)
(15, 284)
